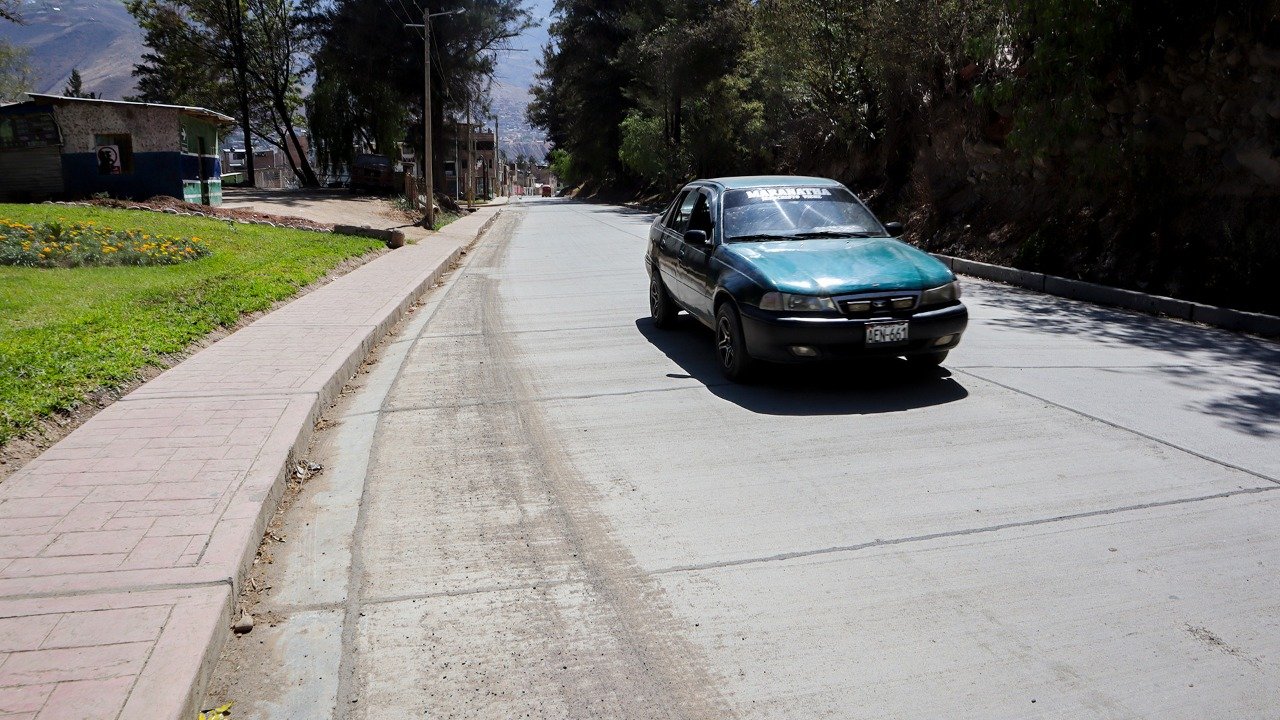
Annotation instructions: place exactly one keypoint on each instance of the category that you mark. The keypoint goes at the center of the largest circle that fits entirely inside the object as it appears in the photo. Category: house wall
(164, 163)
(30, 161)
(153, 130)
(153, 133)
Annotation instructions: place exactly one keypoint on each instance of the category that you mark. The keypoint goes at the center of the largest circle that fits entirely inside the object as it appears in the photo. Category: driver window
(700, 216)
(681, 219)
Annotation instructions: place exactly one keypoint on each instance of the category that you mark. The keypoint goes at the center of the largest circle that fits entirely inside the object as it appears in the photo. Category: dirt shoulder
(324, 206)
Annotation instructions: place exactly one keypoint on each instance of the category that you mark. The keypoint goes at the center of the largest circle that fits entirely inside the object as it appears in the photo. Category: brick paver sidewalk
(122, 547)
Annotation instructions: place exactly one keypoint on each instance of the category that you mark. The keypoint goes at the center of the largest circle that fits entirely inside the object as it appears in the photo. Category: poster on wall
(109, 160)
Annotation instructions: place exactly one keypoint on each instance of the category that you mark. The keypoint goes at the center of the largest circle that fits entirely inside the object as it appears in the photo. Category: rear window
(793, 210)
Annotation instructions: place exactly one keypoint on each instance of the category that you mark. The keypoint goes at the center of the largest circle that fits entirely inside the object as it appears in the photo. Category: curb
(1226, 318)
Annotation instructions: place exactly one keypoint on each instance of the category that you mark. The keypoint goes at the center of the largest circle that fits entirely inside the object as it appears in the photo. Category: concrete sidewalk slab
(122, 547)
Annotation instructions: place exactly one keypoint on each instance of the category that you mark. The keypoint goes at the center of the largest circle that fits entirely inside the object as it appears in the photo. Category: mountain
(98, 37)
(516, 73)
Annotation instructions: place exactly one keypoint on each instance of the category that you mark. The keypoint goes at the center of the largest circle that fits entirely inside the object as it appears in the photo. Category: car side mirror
(695, 237)
(894, 229)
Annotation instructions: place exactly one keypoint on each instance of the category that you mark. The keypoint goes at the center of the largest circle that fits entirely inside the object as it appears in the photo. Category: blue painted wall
(154, 173)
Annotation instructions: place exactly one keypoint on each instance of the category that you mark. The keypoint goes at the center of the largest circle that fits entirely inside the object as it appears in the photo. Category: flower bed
(78, 244)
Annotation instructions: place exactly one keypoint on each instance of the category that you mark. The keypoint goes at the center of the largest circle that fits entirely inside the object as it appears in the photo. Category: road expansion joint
(538, 400)
(984, 530)
(1118, 426)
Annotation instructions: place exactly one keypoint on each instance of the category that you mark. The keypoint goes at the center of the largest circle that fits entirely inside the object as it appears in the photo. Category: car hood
(832, 266)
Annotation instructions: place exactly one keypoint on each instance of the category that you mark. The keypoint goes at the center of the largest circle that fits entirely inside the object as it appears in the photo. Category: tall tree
(580, 98)
(9, 11)
(369, 70)
(196, 57)
(15, 71)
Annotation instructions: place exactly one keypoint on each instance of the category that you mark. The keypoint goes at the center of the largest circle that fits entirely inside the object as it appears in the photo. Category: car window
(700, 216)
(670, 211)
(680, 220)
(789, 211)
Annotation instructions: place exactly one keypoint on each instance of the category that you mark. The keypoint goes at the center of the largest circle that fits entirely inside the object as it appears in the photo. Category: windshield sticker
(788, 193)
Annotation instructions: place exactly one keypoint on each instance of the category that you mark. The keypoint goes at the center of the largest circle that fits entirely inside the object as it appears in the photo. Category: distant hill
(515, 75)
(99, 37)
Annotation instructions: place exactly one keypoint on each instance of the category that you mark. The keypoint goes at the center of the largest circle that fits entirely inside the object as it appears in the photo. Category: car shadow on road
(865, 387)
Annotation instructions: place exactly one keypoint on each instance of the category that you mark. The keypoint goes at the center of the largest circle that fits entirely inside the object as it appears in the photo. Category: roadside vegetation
(1129, 144)
(67, 331)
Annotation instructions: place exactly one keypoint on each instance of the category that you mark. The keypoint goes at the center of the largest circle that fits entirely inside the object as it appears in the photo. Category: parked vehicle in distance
(796, 269)
(372, 173)
(546, 191)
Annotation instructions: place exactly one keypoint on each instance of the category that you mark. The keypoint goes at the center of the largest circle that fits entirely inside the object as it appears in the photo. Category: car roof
(755, 181)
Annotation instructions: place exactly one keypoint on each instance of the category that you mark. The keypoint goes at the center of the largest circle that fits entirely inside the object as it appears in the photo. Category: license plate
(885, 333)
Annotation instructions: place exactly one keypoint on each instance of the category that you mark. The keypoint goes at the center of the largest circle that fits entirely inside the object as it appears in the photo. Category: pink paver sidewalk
(122, 547)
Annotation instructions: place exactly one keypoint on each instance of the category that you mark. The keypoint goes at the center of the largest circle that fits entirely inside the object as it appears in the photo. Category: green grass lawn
(67, 332)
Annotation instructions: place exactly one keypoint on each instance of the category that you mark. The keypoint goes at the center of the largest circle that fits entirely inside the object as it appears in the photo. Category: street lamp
(429, 219)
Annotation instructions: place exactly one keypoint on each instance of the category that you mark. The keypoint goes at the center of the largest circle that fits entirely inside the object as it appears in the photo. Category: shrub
(78, 244)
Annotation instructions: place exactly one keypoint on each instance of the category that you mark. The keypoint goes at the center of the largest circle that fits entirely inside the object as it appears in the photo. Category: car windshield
(786, 213)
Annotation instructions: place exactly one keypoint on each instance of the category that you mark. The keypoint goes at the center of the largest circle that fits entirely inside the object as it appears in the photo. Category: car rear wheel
(928, 361)
(661, 307)
(731, 349)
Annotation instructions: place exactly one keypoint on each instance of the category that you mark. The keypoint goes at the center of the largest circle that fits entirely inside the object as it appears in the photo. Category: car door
(673, 245)
(695, 258)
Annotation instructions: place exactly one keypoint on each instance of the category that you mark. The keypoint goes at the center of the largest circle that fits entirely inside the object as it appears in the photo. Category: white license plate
(885, 333)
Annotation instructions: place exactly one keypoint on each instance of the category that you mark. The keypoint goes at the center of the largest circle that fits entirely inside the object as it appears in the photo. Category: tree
(580, 98)
(369, 72)
(220, 53)
(75, 87)
(15, 71)
(9, 11)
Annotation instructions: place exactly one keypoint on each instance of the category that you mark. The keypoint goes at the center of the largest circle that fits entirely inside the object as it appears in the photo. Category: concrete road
(538, 505)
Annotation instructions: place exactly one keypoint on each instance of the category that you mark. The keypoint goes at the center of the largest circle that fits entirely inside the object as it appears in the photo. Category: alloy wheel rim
(724, 342)
(653, 297)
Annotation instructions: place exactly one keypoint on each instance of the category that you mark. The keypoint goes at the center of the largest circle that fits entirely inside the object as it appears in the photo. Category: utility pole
(497, 160)
(428, 177)
(471, 160)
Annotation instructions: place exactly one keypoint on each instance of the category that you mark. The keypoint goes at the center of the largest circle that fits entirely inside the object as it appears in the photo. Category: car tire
(930, 360)
(662, 308)
(731, 347)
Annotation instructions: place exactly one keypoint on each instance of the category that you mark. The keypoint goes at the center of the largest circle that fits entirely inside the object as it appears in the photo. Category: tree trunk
(235, 15)
(306, 174)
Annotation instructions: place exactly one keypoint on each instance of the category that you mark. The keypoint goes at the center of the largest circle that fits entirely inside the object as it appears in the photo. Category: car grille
(884, 304)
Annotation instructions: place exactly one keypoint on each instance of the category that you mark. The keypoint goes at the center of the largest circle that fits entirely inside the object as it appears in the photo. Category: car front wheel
(661, 307)
(731, 349)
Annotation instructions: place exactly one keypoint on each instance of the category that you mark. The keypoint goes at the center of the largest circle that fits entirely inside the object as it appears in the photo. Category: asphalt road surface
(536, 505)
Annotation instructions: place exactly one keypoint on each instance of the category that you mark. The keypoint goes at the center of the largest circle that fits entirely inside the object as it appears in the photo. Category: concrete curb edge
(1226, 318)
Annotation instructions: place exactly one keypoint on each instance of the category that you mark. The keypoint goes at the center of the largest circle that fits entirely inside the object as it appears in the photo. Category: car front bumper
(774, 338)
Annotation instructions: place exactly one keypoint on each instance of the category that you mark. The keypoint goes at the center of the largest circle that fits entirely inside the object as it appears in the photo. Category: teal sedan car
(796, 269)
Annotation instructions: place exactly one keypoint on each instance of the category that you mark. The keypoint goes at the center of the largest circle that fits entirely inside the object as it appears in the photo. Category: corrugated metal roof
(199, 112)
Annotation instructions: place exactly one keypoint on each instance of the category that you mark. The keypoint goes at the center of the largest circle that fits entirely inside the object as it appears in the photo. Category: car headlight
(786, 302)
(948, 293)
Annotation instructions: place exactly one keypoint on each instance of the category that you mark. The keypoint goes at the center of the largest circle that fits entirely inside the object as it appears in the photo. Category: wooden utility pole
(428, 176)
(471, 161)
(429, 218)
